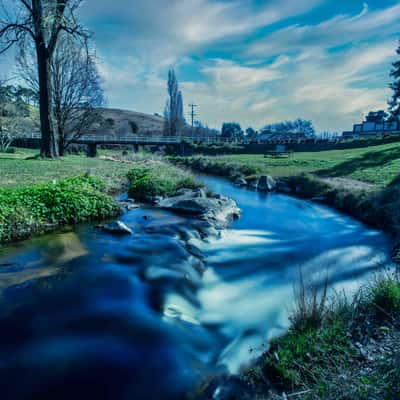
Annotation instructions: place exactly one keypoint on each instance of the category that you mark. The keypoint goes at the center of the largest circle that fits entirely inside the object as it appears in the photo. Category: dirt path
(351, 184)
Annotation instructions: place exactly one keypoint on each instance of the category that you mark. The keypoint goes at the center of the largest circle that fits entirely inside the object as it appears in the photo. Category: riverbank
(374, 201)
(336, 348)
(40, 208)
(29, 207)
(377, 165)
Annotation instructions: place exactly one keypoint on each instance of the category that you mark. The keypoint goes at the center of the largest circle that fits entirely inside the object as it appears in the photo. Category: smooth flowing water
(84, 314)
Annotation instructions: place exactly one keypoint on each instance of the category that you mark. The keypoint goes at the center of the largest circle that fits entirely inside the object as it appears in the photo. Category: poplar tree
(173, 114)
(394, 103)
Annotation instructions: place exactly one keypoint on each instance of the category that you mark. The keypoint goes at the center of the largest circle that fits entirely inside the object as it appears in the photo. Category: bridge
(92, 141)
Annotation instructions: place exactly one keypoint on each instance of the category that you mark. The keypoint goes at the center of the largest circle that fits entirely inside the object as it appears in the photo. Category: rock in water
(218, 210)
(266, 183)
(117, 228)
(240, 182)
(252, 183)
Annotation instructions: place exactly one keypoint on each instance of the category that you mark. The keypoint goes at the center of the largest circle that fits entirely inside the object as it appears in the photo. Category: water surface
(84, 314)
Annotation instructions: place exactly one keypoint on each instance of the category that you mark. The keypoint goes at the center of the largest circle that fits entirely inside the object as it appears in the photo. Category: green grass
(376, 164)
(353, 353)
(149, 179)
(21, 169)
(43, 207)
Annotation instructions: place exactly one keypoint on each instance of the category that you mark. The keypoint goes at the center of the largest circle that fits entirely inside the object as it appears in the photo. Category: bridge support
(91, 150)
(136, 148)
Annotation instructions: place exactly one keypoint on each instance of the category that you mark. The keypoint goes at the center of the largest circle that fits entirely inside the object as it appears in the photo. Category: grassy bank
(378, 165)
(337, 349)
(43, 207)
(23, 168)
(39, 195)
(329, 176)
(155, 178)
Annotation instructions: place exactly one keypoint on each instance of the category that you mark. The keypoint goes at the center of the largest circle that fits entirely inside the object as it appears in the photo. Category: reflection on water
(92, 315)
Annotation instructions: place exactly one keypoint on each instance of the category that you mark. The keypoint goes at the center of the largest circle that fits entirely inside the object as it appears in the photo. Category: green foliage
(326, 360)
(36, 208)
(231, 131)
(158, 179)
(299, 358)
(7, 150)
(381, 299)
(217, 166)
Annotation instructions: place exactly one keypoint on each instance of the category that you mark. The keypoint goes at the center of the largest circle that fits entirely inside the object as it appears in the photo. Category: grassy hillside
(115, 122)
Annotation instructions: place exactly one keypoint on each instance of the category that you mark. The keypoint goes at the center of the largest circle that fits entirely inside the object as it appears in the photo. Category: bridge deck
(141, 140)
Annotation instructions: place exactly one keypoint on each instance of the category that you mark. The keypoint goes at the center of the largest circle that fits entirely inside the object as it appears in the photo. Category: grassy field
(21, 169)
(377, 164)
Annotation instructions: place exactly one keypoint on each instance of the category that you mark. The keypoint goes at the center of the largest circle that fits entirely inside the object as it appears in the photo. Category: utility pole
(192, 113)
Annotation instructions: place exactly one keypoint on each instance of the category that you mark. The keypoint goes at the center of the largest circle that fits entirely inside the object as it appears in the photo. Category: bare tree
(42, 22)
(77, 88)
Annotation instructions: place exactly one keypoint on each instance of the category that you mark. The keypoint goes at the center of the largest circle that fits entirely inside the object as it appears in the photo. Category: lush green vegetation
(378, 164)
(155, 178)
(41, 207)
(219, 166)
(352, 352)
(24, 168)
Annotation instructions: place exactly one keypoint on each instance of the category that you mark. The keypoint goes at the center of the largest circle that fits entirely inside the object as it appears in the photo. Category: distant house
(376, 123)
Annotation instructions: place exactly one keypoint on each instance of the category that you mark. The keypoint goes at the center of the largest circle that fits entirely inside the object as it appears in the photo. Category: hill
(115, 122)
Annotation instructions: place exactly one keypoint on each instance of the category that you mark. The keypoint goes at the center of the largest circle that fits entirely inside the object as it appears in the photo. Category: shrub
(158, 179)
(216, 166)
(31, 209)
(8, 150)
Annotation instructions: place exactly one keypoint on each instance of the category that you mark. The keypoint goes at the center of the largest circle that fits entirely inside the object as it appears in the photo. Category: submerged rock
(117, 228)
(129, 204)
(218, 210)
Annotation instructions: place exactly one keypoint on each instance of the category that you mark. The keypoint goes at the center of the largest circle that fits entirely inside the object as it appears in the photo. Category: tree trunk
(48, 144)
(62, 145)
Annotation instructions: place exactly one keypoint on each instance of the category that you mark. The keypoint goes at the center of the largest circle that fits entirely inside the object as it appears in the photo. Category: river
(84, 314)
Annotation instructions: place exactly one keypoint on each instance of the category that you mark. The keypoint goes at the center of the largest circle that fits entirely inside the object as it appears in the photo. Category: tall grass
(336, 349)
(311, 305)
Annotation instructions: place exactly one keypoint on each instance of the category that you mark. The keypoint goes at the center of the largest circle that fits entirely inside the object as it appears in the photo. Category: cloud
(161, 31)
(336, 31)
(334, 92)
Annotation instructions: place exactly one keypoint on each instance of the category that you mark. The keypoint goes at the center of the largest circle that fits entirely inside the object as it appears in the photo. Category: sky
(250, 61)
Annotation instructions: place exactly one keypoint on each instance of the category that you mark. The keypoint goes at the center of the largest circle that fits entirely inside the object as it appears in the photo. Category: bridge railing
(139, 139)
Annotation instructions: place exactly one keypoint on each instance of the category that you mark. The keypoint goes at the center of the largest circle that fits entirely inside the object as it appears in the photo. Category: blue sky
(249, 61)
